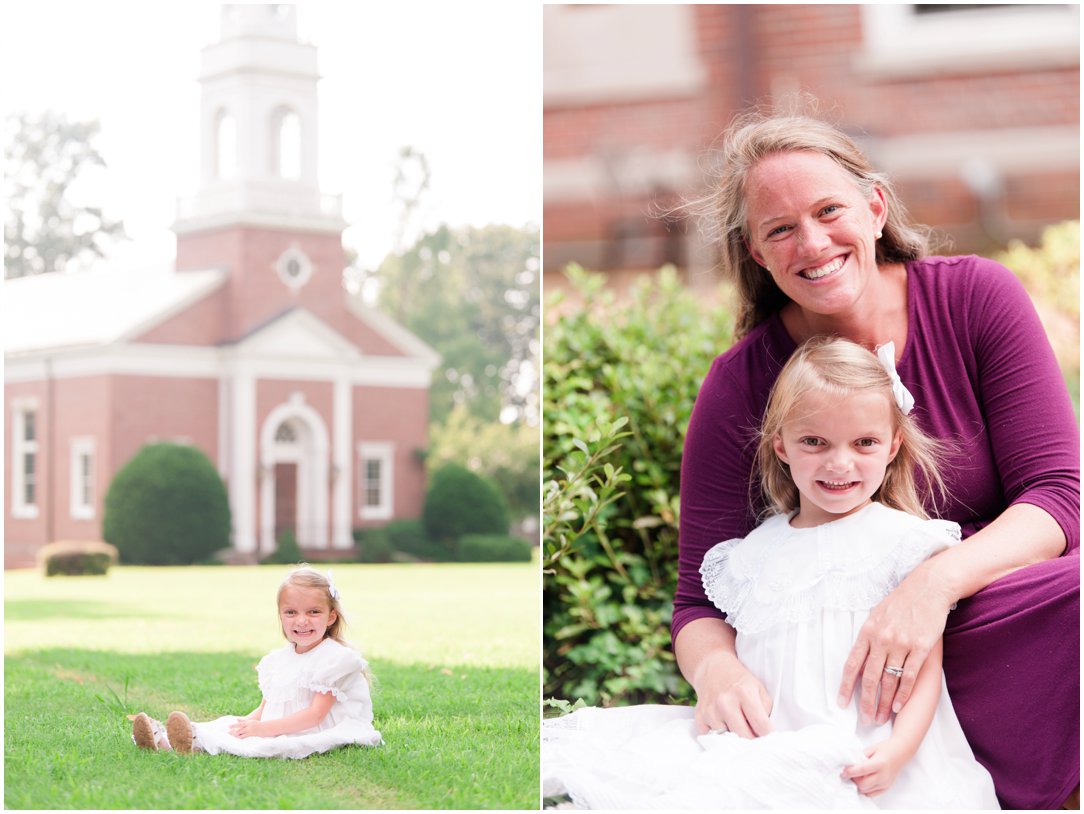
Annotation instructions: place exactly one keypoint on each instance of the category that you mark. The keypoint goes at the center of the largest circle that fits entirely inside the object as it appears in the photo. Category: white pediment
(294, 336)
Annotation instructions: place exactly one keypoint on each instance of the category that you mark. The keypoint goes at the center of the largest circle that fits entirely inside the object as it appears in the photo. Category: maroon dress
(985, 381)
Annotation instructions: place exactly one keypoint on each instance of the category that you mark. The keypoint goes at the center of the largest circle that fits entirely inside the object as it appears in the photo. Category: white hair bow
(331, 589)
(886, 353)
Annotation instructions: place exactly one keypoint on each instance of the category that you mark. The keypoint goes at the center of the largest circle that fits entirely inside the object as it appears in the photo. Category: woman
(818, 244)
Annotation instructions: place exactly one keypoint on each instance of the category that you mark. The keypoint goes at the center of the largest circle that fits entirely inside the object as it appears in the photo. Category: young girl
(315, 688)
(838, 460)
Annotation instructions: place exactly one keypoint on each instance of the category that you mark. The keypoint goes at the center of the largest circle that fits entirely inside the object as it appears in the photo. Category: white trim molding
(900, 42)
(84, 481)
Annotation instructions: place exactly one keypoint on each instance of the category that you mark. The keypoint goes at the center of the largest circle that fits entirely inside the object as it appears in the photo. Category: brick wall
(762, 53)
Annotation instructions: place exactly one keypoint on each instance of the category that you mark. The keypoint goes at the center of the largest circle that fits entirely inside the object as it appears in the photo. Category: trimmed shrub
(460, 502)
(619, 382)
(167, 506)
(372, 545)
(77, 558)
(287, 551)
(493, 548)
(410, 537)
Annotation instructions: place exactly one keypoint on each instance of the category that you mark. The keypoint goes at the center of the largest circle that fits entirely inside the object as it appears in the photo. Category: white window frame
(384, 453)
(20, 447)
(899, 42)
(83, 484)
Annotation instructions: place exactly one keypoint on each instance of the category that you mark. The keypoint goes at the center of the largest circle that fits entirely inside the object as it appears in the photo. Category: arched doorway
(294, 476)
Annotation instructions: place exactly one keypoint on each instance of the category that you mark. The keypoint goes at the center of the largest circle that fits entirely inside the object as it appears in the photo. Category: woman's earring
(878, 235)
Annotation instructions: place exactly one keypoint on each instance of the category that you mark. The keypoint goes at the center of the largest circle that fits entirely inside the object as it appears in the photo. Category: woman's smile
(820, 272)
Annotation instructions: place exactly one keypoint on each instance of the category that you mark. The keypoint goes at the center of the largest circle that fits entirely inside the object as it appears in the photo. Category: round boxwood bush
(460, 502)
(167, 506)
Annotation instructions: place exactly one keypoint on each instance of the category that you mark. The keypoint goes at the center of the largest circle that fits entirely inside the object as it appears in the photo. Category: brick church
(313, 406)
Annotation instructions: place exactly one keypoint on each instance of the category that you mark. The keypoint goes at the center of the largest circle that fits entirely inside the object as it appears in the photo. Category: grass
(455, 649)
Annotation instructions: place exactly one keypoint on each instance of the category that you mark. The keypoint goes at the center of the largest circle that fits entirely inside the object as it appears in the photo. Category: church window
(294, 267)
(82, 478)
(285, 434)
(375, 481)
(25, 460)
(225, 145)
(287, 144)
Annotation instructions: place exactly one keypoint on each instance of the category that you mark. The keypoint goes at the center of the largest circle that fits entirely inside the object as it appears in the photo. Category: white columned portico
(342, 463)
(242, 464)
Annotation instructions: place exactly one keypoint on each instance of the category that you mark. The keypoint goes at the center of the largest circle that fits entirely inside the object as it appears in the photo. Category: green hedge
(372, 545)
(619, 382)
(77, 558)
(492, 548)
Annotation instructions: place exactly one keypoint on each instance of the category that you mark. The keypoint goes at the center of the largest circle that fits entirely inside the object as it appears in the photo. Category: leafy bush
(167, 506)
(507, 454)
(460, 502)
(372, 545)
(287, 551)
(77, 558)
(1051, 275)
(492, 548)
(619, 382)
(410, 537)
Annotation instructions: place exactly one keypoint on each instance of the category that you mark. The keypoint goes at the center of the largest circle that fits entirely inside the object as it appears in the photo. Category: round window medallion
(293, 267)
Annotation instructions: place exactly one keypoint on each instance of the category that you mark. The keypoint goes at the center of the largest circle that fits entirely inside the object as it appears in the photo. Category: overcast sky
(459, 81)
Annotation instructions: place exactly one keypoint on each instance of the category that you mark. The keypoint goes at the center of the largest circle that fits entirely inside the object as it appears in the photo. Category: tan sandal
(148, 733)
(180, 732)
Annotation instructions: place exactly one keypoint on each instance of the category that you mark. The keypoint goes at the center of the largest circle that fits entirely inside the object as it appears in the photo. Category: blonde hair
(750, 138)
(308, 578)
(839, 367)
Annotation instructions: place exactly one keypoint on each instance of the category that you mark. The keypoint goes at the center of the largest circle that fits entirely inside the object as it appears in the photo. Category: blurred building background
(972, 110)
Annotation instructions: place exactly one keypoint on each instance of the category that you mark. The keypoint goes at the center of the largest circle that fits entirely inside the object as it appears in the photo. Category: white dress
(797, 598)
(288, 681)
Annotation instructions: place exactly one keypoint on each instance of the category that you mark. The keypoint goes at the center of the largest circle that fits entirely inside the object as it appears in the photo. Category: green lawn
(455, 649)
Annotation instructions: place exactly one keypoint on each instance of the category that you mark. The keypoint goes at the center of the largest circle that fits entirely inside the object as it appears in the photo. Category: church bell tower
(258, 211)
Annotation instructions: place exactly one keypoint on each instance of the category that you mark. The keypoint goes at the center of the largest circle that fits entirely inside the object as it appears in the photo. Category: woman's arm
(981, 312)
(256, 713)
(728, 696)
(298, 722)
(902, 629)
(884, 760)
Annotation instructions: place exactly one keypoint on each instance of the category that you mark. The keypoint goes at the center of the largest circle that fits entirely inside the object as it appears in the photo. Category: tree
(47, 227)
(506, 454)
(472, 294)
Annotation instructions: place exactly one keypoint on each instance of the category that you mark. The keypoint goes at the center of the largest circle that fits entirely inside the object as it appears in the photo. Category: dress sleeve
(919, 544)
(1033, 430)
(336, 671)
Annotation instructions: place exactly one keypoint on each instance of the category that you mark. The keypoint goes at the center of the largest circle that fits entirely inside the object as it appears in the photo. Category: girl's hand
(247, 728)
(729, 698)
(878, 771)
(899, 632)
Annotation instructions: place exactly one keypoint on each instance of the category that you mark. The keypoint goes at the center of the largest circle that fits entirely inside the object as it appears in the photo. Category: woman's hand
(899, 632)
(247, 728)
(729, 698)
(878, 771)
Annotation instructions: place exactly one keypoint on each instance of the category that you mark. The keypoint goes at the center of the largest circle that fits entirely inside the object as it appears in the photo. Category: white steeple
(258, 127)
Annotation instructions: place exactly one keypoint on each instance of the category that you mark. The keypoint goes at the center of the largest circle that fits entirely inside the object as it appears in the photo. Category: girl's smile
(305, 616)
(838, 451)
